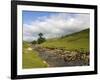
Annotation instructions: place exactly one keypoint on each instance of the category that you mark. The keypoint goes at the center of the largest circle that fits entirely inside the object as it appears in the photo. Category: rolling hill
(75, 41)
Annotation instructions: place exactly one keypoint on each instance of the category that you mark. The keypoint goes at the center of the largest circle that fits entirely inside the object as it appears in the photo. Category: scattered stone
(45, 62)
(29, 49)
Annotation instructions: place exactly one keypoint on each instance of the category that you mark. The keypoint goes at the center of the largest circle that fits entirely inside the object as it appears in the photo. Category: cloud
(55, 25)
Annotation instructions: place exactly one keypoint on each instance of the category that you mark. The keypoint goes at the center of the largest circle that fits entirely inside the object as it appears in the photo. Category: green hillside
(75, 41)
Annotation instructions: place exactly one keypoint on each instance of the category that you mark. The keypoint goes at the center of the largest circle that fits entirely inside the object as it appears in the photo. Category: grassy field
(30, 58)
(78, 40)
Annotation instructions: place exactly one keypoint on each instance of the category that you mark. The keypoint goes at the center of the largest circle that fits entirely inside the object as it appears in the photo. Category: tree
(41, 39)
(40, 35)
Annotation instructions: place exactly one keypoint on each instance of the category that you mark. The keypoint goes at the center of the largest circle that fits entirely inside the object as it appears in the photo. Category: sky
(52, 24)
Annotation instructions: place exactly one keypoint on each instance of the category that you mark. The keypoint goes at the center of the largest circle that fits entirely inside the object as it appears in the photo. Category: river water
(54, 60)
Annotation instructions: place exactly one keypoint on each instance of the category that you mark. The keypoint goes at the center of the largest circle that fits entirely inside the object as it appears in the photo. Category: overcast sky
(52, 24)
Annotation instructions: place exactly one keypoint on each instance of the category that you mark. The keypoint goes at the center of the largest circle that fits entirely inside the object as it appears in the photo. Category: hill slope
(78, 40)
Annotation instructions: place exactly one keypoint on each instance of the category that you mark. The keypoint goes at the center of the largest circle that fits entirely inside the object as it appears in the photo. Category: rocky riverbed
(60, 57)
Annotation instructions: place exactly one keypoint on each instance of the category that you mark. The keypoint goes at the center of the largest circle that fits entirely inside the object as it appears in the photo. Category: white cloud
(55, 25)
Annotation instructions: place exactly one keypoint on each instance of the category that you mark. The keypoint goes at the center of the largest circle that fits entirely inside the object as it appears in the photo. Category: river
(56, 60)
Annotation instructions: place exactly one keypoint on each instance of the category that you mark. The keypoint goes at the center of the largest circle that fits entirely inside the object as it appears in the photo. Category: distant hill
(78, 40)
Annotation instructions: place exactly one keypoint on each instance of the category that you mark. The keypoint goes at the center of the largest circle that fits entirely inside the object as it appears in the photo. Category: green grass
(78, 40)
(30, 58)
